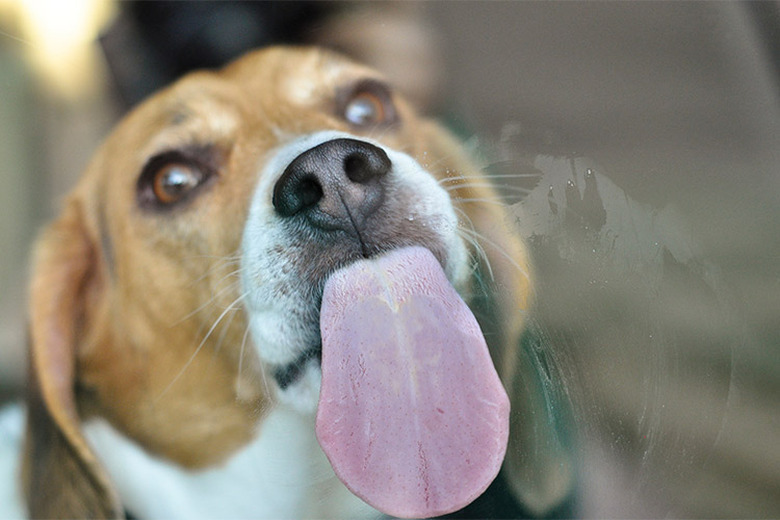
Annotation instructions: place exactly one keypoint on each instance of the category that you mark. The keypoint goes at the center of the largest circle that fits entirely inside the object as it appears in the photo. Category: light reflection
(60, 37)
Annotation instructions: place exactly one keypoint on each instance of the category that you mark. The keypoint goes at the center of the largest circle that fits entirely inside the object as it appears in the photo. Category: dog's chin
(301, 393)
(290, 349)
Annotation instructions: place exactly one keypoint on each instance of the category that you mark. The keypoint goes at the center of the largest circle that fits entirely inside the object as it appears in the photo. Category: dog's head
(178, 293)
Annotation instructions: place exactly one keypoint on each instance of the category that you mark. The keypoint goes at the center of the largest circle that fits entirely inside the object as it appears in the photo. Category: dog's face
(178, 294)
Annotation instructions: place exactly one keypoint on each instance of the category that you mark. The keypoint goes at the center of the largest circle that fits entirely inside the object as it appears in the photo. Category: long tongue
(412, 415)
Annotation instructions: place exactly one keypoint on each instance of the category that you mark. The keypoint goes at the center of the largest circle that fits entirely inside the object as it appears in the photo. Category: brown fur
(113, 292)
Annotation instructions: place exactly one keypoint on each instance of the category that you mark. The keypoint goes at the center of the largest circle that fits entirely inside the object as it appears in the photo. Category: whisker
(378, 134)
(229, 308)
(224, 332)
(479, 254)
(499, 249)
(241, 362)
(470, 235)
(486, 201)
(488, 176)
(499, 187)
(263, 374)
(234, 272)
(233, 256)
(222, 262)
(208, 302)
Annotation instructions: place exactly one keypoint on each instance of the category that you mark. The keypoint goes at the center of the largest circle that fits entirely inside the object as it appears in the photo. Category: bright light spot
(61, 36)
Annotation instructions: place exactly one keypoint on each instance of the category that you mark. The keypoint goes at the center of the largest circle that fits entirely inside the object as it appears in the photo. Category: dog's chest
(281, 474)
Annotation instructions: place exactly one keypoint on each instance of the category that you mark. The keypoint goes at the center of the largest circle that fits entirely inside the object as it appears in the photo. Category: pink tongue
(412, 415)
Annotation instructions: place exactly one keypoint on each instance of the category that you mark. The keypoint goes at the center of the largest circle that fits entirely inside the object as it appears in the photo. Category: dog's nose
(335, 185)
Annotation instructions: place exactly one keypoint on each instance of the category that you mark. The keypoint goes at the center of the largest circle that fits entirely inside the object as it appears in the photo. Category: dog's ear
(62, 477)
(538, 466)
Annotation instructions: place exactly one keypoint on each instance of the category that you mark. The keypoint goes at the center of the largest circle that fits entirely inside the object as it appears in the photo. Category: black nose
(335, 185)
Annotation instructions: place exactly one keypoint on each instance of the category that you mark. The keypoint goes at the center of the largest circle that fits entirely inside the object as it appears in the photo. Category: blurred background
(638, 145)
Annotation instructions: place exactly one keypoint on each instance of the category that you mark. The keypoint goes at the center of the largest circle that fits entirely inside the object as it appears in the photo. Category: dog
(175, 347)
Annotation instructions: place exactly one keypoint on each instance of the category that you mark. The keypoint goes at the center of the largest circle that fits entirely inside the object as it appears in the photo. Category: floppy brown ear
(61, 475)
(538, 467)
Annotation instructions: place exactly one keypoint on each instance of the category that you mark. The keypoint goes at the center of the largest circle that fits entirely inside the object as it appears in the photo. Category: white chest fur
(281, 474)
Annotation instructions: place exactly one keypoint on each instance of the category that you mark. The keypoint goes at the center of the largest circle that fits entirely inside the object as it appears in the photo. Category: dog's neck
(281, 474)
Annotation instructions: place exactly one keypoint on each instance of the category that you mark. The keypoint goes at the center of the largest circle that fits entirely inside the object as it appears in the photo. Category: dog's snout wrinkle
(336, 185)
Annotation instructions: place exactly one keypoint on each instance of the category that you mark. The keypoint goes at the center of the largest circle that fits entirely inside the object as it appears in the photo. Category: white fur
(283, 473)
(304, 395)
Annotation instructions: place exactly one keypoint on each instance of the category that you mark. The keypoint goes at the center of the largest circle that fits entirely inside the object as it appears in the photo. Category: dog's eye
(368, 104)
(174, 181)
(171, 178)
(365, 109)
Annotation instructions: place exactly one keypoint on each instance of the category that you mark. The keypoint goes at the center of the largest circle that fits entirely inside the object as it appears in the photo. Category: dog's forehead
(257, 87)
(297, 74)
(193, 111)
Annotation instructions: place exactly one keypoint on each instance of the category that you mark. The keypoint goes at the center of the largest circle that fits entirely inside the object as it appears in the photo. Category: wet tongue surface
(412, 415)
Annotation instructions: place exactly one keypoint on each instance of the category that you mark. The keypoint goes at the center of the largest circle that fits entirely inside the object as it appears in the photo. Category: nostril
(296, 191)
(310, 192)
(357, 168)
(366, 162)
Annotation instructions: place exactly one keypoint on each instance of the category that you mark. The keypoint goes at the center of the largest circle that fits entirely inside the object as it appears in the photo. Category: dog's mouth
(289, 374)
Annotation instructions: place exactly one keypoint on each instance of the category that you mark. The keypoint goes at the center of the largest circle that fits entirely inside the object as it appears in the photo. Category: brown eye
(174, 181)
(365, 109)
(173, 178)
(368, 104)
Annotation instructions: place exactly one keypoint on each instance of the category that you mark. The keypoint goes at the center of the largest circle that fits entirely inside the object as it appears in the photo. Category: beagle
(215, 315)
